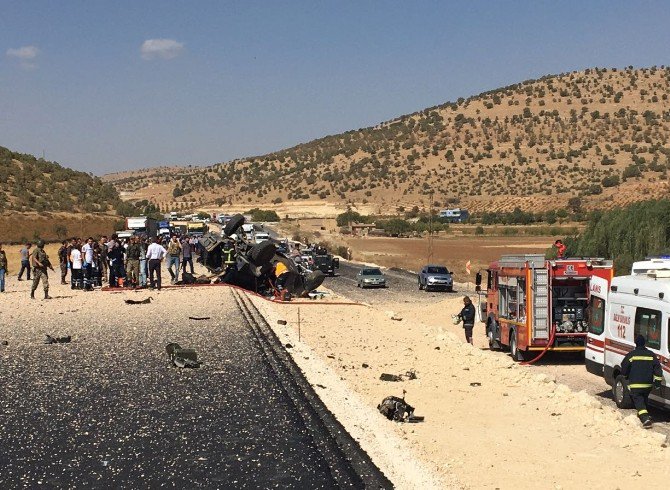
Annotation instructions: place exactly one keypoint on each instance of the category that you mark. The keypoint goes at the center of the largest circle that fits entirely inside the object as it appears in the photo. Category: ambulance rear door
(595, 337)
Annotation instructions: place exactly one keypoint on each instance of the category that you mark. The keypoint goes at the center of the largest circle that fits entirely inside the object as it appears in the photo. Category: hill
(600, 135)
(28, 183)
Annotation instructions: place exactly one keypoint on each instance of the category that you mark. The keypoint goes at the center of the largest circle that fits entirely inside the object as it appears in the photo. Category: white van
(636, 304)
(261, 236)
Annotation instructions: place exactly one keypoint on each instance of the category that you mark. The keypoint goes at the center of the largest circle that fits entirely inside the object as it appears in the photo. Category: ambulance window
(596, 315)
(648, 324)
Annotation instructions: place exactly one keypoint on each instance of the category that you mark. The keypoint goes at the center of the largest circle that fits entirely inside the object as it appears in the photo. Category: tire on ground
(313, 280)
(232, 225)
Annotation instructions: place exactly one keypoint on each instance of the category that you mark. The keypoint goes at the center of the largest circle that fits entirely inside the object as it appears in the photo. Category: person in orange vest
(560, 248)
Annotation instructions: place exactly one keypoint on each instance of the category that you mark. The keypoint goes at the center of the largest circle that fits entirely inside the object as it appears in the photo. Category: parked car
(435, 277)
(370, 277)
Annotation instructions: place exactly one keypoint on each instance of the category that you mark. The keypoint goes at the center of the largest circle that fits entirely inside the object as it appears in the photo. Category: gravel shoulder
(484, 413)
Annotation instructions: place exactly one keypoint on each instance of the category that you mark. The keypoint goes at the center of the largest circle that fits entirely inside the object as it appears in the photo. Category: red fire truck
(534, 304)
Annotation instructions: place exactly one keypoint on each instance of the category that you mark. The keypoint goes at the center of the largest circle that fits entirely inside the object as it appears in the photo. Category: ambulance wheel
(620, 393)
(517, 355)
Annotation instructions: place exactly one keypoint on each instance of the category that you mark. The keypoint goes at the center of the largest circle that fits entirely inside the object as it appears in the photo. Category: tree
(60, 231)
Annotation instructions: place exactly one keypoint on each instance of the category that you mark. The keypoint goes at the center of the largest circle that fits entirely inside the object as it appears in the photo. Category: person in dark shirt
(133, 261)
(467, 314)
(643, 371)
(115, 257)
(63, 261)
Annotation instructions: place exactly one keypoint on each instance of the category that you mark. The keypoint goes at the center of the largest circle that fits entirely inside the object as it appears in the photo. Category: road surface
(108, 410)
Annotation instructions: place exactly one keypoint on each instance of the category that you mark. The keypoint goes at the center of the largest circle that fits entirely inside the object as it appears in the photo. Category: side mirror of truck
(478, 281)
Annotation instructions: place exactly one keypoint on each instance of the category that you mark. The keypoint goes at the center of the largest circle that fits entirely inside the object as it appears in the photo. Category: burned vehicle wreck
(258, 267)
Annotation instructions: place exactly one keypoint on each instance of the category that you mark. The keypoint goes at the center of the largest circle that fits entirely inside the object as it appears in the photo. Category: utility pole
(430, 229)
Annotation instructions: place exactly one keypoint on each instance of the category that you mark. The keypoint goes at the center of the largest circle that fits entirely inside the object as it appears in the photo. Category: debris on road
(142, 302)
(182, 358)
(57, 340)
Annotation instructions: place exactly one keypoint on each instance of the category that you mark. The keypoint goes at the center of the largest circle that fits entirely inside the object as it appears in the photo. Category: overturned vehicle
(258, 267)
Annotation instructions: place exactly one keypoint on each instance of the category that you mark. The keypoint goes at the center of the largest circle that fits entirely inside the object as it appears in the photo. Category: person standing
(174, 250)
(187, 254)
(115, 256)
(25, 261)
(3, 268)
(133, 261)
(155, 255)
(87, 252)
(143, 263)
(467, 314)
(643, 371)
(63, 261)
(76, 266)
(103, 258)
(40, 262)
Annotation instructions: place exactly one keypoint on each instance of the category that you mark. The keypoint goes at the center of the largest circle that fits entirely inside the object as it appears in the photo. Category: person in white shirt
(155, 255)
(87, 252)
(76, 261)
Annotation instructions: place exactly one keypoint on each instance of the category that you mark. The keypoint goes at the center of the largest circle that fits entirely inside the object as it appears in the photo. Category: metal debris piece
(57, 340)
(142, 302)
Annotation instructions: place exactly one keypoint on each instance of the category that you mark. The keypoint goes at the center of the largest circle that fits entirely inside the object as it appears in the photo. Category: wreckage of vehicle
(258, 267)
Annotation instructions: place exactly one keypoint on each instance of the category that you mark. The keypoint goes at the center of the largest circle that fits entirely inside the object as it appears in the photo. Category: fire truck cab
(534, 304)
(632, 305)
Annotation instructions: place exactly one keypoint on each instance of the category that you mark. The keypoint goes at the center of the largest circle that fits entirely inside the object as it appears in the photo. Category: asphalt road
(108, 410)
(402, 287)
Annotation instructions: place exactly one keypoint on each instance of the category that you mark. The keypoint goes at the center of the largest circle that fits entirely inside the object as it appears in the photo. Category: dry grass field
(452, 251)
(20, 227)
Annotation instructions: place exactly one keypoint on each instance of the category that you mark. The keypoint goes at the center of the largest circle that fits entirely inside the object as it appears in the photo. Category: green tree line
(625, 234)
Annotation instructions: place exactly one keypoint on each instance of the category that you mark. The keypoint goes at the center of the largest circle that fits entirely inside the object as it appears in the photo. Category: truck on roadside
(534, 304)
(196, 228)
(142, 225)
(323, 261)
(638, 304)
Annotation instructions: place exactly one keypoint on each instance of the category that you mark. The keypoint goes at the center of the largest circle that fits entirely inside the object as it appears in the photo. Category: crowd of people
(134, 262)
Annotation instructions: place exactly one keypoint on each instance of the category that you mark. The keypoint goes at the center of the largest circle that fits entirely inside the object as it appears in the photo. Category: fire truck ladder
(541, 304)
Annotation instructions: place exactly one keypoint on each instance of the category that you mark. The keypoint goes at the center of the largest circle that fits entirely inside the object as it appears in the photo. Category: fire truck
(534, 304)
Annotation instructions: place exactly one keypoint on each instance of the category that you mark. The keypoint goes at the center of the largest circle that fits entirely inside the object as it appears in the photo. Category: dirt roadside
(517, 428)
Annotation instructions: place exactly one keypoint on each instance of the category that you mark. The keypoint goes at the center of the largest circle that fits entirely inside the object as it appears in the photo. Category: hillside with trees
(599, 137)
(28, 184)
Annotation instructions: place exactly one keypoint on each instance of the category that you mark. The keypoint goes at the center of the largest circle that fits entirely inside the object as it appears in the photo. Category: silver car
(435, 277)
(370, 277)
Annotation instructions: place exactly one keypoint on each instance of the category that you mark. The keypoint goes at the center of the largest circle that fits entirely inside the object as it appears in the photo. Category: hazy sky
(110, 85)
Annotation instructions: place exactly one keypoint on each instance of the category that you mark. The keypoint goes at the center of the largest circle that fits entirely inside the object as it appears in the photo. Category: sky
(106, 86)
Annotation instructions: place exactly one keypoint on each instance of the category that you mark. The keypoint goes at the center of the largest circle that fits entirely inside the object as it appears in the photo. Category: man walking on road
(467, 314)
(3, 268)
(155, 255)
(25, 262)
(187, 252)
(643, 372)
(174, 250)
(40, 262)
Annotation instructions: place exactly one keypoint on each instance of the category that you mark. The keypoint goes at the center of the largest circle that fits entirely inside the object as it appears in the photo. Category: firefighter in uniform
(643, 371)
(40, 262)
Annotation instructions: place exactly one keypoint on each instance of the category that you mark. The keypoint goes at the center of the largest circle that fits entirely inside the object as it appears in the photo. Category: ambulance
(633, 305)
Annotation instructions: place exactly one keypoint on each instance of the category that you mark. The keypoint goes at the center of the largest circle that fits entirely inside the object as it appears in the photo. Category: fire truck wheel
(517, 355)
(620, 392)
(232, 225)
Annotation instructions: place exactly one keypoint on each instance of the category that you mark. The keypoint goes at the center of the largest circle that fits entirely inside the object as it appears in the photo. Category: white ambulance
(633, 305)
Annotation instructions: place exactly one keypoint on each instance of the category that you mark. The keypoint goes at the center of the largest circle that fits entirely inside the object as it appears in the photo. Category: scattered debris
(555, 414)
(366, 365)
(199, 317)
(289, 346)
(281, 322)
(320, 386)
(475, 383)
(397, 409)
(437, 348)
(409, 375)
(57, 340)
(182, 358)
(4, 342)
(142, 302)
